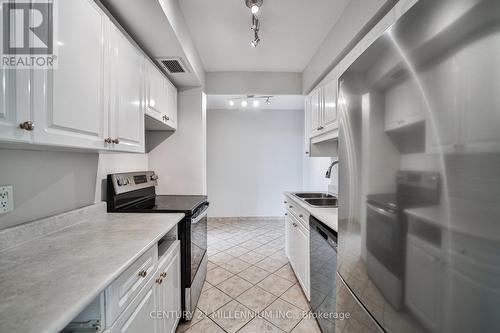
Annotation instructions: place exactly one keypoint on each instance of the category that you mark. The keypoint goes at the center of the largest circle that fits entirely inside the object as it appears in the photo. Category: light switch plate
(6, 198)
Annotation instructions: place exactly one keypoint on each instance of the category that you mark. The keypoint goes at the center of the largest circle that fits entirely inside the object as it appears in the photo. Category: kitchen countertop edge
(328, 216)
(60, 320)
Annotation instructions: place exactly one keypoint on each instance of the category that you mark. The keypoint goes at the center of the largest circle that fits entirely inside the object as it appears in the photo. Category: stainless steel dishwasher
(323, 259)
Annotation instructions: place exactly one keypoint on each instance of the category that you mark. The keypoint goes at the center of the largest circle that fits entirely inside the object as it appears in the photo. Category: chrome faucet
(329, 171)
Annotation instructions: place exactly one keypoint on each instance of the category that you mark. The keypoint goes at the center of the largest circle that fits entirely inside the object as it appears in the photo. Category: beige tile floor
(249, 285)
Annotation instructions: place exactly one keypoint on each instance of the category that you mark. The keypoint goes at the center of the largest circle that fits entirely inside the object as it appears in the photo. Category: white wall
(180, 161)
(313, 175)
(253, 156)
(46, 183)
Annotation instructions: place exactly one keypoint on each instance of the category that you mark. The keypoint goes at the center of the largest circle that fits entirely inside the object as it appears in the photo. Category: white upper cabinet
(69, 102)
(403, 105)
(464, 100)
(126, 120)
(445, 110)
(329, 118)
(161, 97)
(322, 109)
(481, 114)
(14, 106)
(315, 112)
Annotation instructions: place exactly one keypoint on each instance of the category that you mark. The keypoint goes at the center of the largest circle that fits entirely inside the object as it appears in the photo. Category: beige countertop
(328, 216)
(47, 281)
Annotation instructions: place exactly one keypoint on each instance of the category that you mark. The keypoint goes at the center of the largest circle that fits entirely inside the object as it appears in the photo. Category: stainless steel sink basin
(319, 195)
(330, 202)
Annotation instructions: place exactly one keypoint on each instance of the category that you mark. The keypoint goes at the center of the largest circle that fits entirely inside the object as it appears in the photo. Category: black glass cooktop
(168, 203)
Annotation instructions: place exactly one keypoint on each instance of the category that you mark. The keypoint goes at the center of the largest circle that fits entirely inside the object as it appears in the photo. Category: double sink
(318, 199)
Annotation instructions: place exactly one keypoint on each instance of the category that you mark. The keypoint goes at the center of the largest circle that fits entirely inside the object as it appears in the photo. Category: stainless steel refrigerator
(419, 175)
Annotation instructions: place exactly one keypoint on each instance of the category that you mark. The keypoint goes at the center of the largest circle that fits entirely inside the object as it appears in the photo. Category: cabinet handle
(290, 206)
(285, 201)
(286, 214)
(27, 125)
(159, 280)
(163, 274)
(108, 140)
(143, 274)
(301, 215)
(307, 153)
(320, 128)
(294, 224)
(167, 118)
(116, 141)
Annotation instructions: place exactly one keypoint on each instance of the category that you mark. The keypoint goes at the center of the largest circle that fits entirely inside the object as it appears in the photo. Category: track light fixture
(254, 6)
(244, 100)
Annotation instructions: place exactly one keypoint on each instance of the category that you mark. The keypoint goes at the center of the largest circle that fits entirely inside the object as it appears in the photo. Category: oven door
(198, 240)
(385, 234)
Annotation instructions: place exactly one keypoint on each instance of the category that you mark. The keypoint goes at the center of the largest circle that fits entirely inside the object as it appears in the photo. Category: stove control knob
(154, 177)
(122, 181)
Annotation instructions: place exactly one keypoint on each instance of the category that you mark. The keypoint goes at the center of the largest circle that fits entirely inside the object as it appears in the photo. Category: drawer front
(136, 317)
(298, 212)
(122, 291)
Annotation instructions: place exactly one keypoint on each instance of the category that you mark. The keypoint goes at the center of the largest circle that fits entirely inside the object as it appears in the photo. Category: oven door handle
(384, 212)
(201, 216)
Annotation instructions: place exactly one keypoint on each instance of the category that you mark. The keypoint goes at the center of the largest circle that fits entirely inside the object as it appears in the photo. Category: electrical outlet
(6, 198)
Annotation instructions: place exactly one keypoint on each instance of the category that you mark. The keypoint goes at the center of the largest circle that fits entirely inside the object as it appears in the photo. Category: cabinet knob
(285, 201)
(159, 280)
(108, 140)
(27, 125)
(307, 153)
(115, 141)
(301, 215)
(143, 273)
(163, 274)
(286, 214)
(320, 128)
(294, 224)
(290, 206)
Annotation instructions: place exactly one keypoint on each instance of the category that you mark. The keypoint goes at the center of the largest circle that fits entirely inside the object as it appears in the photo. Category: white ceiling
(279, 102)
(291, 32)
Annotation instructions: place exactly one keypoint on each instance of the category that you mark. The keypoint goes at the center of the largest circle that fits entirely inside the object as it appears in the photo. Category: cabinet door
(157, 95)
(330, 107)
(126, 121)
(138, 317)
(315, 113)
(302, 258)
(288, 237)
(424, 284)
(169, 294)
(443, 120)
(481, 120)
(171, 105)
(14, 105)
(69, 101)
(403, 105)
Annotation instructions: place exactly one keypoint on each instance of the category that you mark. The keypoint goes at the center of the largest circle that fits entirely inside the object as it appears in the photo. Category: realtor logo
(28, 34)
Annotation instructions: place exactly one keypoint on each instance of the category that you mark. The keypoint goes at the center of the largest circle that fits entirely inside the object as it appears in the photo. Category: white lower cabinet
(424, 282)
(168, 292)
(137, 317)
(297, 248)
(147, 296)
